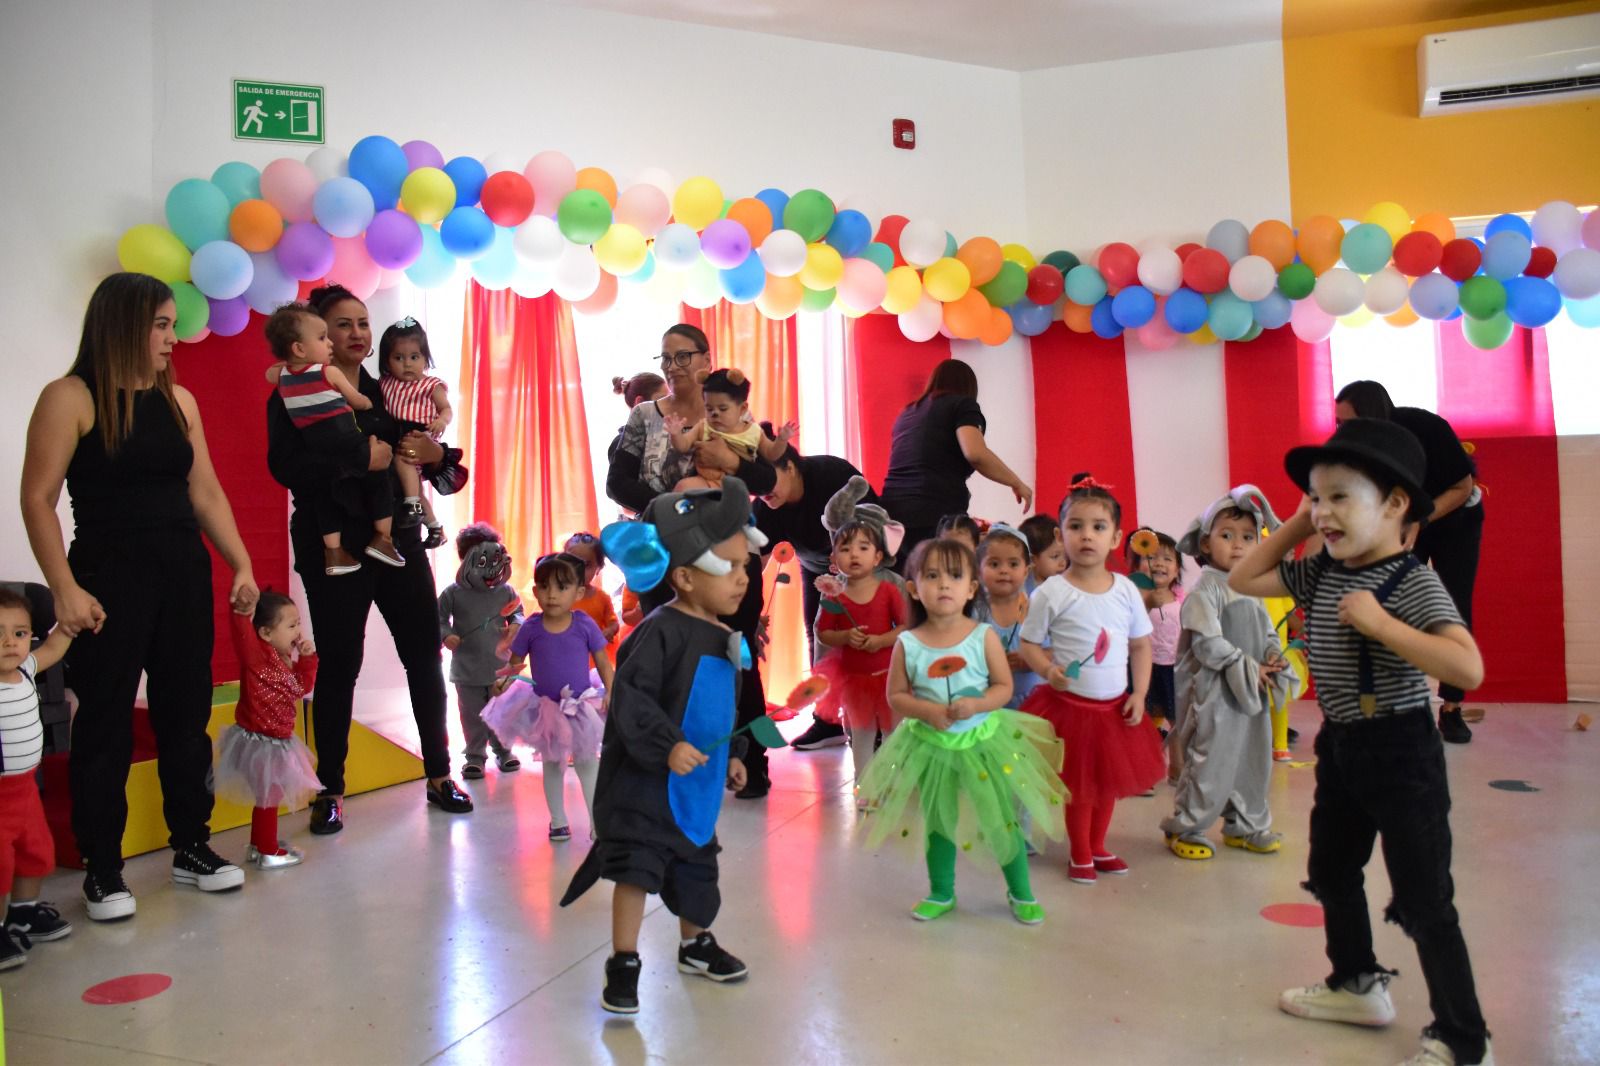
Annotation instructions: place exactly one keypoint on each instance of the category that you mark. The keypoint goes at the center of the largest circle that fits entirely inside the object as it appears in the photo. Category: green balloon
(1006, 287)
(193, 310)
(1252, 333)
(1366, 248)
(1062, 261)
(1488, 333)
(1482, 297)
(817, 299)
(584, 216)
(809, 213)
(950, 245)
(880, 255)
(1296, 281)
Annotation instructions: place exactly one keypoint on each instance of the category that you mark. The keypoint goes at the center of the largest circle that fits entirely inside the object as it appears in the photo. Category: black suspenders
(1369, 687)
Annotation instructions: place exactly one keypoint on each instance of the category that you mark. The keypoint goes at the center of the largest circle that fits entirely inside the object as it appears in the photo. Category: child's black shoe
(37, 921)
(621, 995)
(13, 950)
(704, 956)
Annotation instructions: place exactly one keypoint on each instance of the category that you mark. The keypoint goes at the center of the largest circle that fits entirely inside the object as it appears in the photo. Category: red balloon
(1185, 250)
(1119, 265)
(1460, 259)
(507, 198)
(889, 233)
(1541, 263)
(1206, 270)
(1045, 284)
(1417, 253)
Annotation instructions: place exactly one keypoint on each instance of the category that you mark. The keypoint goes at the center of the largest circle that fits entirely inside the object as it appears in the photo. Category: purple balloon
(725, 244)
(228, 317)
(422, 154)
(394, 240)
(305, 251)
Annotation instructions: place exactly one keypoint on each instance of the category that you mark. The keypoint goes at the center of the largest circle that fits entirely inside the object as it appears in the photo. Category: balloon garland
(245, 239)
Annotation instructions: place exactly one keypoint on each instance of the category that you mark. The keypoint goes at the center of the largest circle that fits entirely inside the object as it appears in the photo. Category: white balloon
(783, 253)
(677, 247)
(577, 275)
(539, 241)
(1386, 291)
(1339, 291)
(1558, 226)
(532, 281)
(659, 178)
(1578, 274)
(702, 287)
(1160, 270)
(495, 162)
(1252, 278)
(923, 322)
(922, 243)
(327, 163)
(665, 288)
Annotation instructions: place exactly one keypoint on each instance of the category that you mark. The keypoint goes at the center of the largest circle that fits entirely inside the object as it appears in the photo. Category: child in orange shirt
(593, 600)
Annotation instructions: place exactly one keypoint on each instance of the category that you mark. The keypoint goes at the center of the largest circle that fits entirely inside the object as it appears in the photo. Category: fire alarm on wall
(905, 133)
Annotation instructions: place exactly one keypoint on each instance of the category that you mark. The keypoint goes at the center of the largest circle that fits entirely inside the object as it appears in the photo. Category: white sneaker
(1437, 1053)
(1372, 1007)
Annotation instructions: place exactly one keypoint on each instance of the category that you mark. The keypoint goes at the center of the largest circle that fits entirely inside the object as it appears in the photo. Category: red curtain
(1279, 394)
(525, 439)
(1081, 419)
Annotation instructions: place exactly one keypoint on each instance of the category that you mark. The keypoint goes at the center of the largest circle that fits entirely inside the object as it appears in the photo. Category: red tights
(1086, 830)
(264, 829)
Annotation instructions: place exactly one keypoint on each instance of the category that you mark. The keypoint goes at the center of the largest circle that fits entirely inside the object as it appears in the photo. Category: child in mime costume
(665, 758)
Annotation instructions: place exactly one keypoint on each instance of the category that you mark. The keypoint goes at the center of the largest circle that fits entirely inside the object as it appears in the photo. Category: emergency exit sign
(269, 111)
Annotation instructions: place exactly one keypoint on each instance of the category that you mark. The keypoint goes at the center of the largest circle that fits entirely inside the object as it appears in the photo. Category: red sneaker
(1110, 864)
(1083, 875)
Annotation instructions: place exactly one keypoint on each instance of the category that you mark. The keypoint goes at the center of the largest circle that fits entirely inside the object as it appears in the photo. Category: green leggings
(942, 870)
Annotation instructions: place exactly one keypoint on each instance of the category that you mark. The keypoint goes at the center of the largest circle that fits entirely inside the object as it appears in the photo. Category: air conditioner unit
(1509, 66)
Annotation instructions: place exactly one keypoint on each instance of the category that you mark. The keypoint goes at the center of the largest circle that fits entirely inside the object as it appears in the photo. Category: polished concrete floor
(418, 937)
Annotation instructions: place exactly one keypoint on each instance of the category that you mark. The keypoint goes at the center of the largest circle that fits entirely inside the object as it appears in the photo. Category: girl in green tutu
(960, 766)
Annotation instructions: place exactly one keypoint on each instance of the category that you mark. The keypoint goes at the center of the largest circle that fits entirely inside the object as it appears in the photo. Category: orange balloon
(601, 182)
(998, 329)
(1437, 223)
(1401, 318)
(967, 317)
(1273, 241)
(781, 298)
(983, 258)
(754, 216)
(255, 225)
(1078, 318)
(1318, 243)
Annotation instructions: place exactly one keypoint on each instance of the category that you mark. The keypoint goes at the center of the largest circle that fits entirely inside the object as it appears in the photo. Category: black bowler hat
(1370, 443)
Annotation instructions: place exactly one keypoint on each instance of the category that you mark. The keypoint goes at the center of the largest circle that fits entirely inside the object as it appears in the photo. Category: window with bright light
(1403, 360)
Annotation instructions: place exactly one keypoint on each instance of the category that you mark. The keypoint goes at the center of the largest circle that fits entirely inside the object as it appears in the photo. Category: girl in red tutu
(1098, 628)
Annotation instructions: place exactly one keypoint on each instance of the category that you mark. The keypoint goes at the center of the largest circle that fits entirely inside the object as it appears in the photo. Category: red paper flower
(1102, 645)
(950, 664)
(830, 585)
(783, 553)
(806, 693)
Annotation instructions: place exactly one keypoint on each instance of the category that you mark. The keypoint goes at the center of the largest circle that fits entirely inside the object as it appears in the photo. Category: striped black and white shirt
(21, 732)
(1420, 601)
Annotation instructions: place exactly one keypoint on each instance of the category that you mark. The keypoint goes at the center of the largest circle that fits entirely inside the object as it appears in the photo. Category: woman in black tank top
(129, 446)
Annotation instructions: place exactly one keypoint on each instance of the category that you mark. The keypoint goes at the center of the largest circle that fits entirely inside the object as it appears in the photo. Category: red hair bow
(1088, 483)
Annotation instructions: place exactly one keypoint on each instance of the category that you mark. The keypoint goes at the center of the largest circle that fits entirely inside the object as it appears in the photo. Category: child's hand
(1363, 611)
(437, 426)
(504, 683)
(685, 758)
(737, 774)
(859, 638)
(452, 642)
(674, 425)
(1267, 669)
(940, 717)
(963, 707)
(787, 432)
(305, 647)
(361, 403)
(1057, 678)
(1018, 664)
(1133, 709)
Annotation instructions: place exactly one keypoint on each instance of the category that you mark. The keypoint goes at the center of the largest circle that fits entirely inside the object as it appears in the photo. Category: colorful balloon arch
(245, 239)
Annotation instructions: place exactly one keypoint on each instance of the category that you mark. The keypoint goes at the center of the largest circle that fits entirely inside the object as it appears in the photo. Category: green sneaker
(1026, 911)
(929, 909)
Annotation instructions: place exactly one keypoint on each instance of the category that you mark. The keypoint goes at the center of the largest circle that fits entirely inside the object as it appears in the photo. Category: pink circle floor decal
(1301, 915)
(129, 989)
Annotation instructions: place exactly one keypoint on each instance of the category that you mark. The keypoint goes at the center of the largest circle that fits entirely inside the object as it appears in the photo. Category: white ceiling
(1007, 34)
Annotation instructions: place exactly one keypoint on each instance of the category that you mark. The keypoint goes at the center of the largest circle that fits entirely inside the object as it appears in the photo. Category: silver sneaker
(289, 857)
(1349, 1004)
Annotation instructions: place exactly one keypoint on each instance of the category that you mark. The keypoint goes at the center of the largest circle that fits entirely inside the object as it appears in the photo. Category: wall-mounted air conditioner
(1509, 66)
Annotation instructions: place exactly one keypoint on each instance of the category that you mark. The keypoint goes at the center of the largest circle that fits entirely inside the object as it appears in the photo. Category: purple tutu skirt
(256, 770)
(556, 730)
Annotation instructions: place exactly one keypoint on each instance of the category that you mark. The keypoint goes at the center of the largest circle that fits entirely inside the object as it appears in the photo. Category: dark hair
(729, 382)
(873, 533)
(325, 296)
(961, 522)
(565, 568)
(402, 330)
(950, 377)
(1368, 398)
(268, 608)
(790, 457)
(470, 536)
(693, 334)
(638, 388)
(283, 329)
(589, 539)
(946, 553)
(993, 537)
(114, 352)
(1041, 531)
(1226, 514)
(1162, 541)
(11, 598)
(1091, 492)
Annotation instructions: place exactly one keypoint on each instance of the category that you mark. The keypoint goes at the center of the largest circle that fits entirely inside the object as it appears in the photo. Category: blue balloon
(238, 181)
(1030, 319)
(434, 265)
(1133, 306)
(1103, 322)
(950, 244)
(1532, 302)
(644, 273)
(343, 207)
(776, 200)
(1506, 254)
(1230, 317)
(1585, 313)
(1435, 297)
(1272, 310)
(850, 233)
(1508, 224)
(466, 233)
(197, 211)
(1453, 315)
(222, 270)
(468, 175)
(380, 165)
(495, 268)
(1084, 285)
(743, 283)
(1186, 311)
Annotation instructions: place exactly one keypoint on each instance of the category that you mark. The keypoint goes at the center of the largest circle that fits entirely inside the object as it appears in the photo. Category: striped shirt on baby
(309, 399)
(1420, 601)
(21, 731)
(410, 401)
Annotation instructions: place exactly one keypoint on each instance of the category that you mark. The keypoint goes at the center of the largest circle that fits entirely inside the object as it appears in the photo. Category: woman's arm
(211, 508)
(976, 450)
(296, 466)
(1257, 574)
(758, 475)
(64, 413)
(1452, 498)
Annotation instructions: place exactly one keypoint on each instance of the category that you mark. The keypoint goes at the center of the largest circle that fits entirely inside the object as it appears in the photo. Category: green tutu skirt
(971, 787)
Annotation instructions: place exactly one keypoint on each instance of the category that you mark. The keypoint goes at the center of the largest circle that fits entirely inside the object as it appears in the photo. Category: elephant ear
(1249, 498)
(841, 506)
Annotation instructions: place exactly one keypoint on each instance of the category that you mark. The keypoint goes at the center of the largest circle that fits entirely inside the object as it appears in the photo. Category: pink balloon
(552, 176)
(290, 186)
(600, 301)
(1591, 229)
(388, 279)
(644, 207)
(863, 286)
(1156, 334)
(1310, 322)
(353, 267)
(924, 321)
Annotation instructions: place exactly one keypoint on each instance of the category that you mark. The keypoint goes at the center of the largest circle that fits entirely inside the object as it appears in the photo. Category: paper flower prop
(1142, 580)
(763, 730)
(1102, 645)
(832, 588)
(783, 553)
(1145, 543)
(806, 693)
(947, 667)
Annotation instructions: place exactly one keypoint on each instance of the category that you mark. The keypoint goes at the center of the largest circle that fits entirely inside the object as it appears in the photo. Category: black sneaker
(621, 995)
(13, 950)
(327, 815)
(1453, 728)
(106, 896)
(820, 735)
(434, 539)
(198, 865)
(408, 516)
(754, 790)
(1294, 735)
(37, 921)
(705, 957)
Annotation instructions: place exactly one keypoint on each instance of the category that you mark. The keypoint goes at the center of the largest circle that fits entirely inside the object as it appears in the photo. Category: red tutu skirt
(860, 700)
(1106, 759)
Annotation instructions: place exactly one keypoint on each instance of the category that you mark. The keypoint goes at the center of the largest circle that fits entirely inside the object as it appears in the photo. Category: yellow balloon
(849, 312)
(1020, 255)
(1391, 216)
(621, 251)
(824, 267)
(1360, 316)
(948, 279)
(154, 250)
(697, 203)
(781, 298)
(1203, 335)
(428, 194)
(904, 292)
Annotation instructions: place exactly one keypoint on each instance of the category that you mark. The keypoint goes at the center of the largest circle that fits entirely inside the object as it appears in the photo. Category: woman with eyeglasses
(404, 596)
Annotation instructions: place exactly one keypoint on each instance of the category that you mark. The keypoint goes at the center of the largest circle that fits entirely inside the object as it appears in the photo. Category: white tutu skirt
(256, 770)
(556, 730)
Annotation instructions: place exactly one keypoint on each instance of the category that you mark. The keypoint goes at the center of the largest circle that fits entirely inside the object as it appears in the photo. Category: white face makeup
(1357, 523)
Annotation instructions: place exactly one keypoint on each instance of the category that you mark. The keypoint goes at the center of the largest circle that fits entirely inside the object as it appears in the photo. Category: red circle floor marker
(129, 989)
(1300, 915)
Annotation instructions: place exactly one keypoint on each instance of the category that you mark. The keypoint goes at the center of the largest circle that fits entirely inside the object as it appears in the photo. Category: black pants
(156, 589)
(811, 603)
(368, 496)
(339, 607)
(1452, 546)
(1386, 778)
